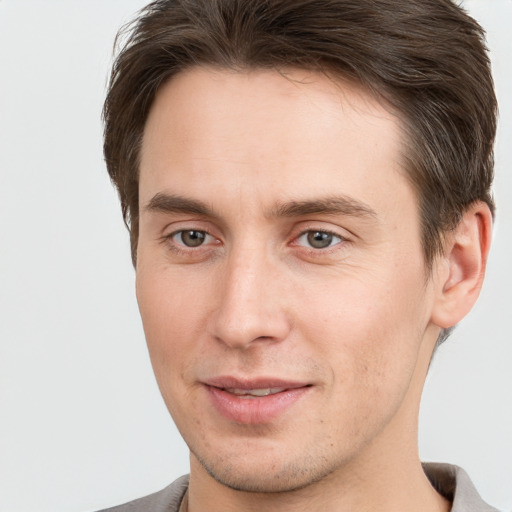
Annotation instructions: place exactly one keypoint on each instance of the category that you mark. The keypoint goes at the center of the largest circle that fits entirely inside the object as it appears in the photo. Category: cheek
(170, 303)
(171, 316)
(369, 329)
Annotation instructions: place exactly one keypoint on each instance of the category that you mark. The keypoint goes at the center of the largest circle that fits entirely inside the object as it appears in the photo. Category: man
(307, 187)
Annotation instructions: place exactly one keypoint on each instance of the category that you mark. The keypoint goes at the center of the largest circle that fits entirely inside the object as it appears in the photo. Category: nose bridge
(248, 303)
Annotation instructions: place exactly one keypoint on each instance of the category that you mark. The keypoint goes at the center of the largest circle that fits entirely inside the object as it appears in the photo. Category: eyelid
(188, 224)
(322, 227)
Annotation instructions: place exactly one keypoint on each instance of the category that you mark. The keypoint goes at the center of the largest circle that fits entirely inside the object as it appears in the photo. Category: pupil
(319, 239)
(192, 238)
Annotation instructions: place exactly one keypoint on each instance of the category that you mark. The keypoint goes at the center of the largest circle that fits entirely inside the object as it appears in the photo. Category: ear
(460, 271)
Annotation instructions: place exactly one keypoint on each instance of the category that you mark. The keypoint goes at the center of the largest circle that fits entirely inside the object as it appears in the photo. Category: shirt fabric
(450, 481)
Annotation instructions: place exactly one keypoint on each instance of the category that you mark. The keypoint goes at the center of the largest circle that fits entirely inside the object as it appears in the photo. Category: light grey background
(82, 424)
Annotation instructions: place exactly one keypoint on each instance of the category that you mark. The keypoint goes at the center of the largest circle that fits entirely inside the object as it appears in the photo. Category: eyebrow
(170, 203)
(336, 205)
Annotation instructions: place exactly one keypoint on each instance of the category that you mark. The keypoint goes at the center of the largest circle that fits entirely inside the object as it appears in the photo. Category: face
(280, 275)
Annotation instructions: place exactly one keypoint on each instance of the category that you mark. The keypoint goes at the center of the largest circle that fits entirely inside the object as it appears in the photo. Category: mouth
(255, 401)
(253, 393)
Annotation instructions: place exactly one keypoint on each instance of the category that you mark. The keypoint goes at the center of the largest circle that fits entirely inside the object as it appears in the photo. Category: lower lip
(256, 410)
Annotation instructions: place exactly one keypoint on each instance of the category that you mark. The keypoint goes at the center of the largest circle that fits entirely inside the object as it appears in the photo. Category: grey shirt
(450, 481)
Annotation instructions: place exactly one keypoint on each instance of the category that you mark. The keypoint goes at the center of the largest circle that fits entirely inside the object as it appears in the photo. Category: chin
(266, 476)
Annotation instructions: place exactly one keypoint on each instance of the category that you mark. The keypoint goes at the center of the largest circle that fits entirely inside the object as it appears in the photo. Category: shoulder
(454, 484)
(166, 500)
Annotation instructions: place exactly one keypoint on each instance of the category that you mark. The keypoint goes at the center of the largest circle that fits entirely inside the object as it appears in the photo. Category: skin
(356, 320)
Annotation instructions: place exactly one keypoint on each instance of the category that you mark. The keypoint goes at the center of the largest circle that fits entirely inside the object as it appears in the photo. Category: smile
(252, 393)
(253, 402)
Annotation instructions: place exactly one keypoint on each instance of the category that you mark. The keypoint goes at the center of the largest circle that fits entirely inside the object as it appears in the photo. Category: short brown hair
(427, 58)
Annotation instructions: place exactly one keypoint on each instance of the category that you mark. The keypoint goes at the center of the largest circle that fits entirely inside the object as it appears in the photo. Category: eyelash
(181, 248)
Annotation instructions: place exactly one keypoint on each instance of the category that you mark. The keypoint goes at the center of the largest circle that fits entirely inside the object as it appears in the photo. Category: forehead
(268, 135)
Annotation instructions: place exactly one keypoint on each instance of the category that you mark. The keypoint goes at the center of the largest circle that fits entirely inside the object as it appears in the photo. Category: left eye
(318, 239)
(191, 237)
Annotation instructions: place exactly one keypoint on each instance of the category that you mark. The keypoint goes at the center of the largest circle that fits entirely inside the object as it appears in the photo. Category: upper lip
(228, 382)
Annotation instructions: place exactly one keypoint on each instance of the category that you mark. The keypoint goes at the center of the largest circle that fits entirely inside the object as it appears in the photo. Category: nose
(251, 301)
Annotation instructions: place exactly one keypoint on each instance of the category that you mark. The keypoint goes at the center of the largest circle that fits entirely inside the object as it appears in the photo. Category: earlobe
(461, 269)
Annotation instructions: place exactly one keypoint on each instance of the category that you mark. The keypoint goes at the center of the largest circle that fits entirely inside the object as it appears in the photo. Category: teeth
(254, 392)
